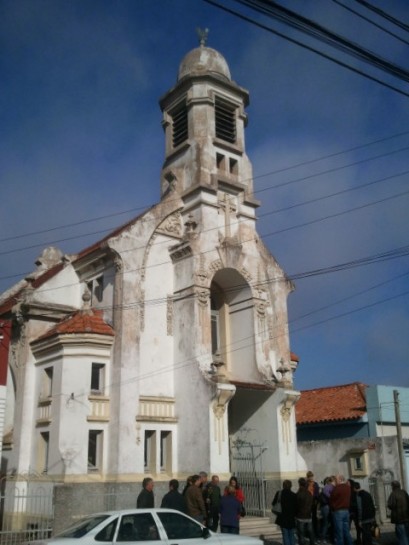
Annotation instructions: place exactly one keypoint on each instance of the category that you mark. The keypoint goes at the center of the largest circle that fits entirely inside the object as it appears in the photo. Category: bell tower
(204, 120)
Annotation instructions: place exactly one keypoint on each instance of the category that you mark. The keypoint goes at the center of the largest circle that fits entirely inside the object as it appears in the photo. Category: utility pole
(399, 437)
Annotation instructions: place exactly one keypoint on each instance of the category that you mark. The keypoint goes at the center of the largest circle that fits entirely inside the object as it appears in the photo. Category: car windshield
(83, 526)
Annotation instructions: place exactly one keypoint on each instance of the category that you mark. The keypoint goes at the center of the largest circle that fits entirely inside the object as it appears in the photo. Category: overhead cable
(309, 48)
(383, 29)
(272, 9)
(383, 14)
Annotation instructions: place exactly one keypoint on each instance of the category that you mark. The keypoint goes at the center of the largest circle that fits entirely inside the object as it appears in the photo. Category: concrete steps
(259, 526)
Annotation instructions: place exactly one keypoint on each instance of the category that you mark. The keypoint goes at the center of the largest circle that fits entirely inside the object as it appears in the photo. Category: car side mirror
(205, 533)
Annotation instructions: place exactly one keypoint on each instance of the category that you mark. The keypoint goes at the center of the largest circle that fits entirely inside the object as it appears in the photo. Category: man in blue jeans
(398, 503)
(339, 502)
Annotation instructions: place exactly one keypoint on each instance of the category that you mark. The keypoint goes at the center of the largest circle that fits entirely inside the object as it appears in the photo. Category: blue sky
(82, 139)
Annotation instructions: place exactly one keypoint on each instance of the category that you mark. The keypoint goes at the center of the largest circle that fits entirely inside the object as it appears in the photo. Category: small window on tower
(225, 120)
(233, 166)
(179, 124)
(220, 161)
(97, 378)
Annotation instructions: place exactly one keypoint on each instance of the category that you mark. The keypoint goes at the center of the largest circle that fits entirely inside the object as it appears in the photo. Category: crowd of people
(322, 514)
(325, 514)
(201, 499)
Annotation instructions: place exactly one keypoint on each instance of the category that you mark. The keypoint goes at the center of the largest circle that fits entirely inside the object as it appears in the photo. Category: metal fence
(247, 466)
(26, 510)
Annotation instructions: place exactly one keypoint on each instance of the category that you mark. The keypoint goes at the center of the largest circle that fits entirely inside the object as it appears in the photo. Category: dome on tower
(204, 60)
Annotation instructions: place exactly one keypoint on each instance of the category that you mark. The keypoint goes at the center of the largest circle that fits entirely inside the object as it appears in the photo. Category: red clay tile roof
(81, 322)
(345, 402)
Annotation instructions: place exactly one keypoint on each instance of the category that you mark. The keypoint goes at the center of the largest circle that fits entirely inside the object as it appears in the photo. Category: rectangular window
(358, 465)
(179, 124)
(96, 289)
(95, 444)
(98, 378)
(220, 161)
(215, 331)
(99, 288)
(166, 451)
(47, 382)
(225, 120)
(233, 166)
(44, 449)
(150, 451)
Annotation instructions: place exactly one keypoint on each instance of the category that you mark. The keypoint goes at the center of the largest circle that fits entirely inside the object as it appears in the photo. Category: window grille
(225, 120)
(179, 123)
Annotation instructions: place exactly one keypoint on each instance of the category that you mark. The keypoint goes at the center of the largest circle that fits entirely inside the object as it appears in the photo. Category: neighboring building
(161, 348)
(352, 429)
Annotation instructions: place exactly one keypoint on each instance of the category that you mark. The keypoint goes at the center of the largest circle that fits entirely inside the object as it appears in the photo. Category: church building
(163, 349)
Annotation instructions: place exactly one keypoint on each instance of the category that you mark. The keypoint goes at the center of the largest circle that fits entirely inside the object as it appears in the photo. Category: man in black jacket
(398, 503)
(285, 507)
(366, 513)
(174, 499)
(145, 498)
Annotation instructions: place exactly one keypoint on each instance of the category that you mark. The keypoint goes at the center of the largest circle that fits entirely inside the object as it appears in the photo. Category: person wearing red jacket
(239, 492)
(339, 502)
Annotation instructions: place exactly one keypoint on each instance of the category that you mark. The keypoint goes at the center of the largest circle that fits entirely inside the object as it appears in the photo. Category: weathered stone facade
(191, 350)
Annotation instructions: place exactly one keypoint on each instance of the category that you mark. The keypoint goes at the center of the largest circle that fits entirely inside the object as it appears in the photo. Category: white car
(158, 526)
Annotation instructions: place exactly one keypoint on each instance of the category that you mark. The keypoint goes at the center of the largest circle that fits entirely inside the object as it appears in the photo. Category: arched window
(232, 323)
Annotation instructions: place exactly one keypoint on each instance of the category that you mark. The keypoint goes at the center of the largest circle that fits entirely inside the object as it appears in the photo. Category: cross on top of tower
(202, 34)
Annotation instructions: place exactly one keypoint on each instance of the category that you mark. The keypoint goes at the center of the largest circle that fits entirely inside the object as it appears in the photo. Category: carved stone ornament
(245, 273)
(146, 255)
(180, 251)
(215, 266)
(224, 393)
(285, 411)
(190, 225)
(169, 315)
(118, 263)
(270, 325)
(172, 225)
(142, 310)
(261, 309)
(203, 297)
(201, 274)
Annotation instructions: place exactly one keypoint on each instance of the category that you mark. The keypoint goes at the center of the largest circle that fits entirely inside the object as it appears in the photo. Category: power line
(307, 47)
(187, 362)
(383, 14)
(270, 173)
(336, 194)
(303, 24)
(265, 235)
(371, 22)
(275, 186)
(331, 216)
(349, 297)
(368, 260)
